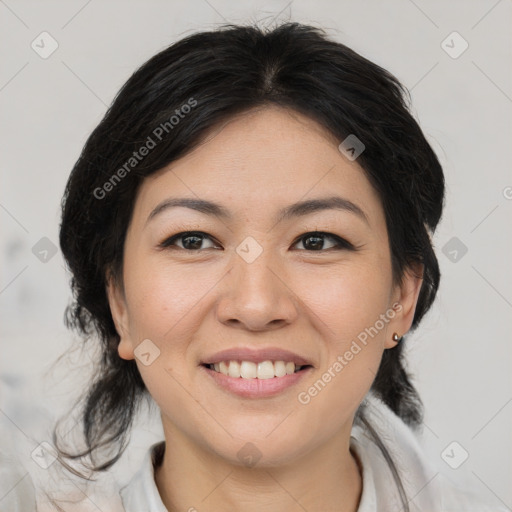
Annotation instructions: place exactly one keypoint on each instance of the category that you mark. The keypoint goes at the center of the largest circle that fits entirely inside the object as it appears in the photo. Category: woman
(249, 234)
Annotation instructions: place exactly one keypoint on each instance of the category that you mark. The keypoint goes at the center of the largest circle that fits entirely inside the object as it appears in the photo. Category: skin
(314, 302)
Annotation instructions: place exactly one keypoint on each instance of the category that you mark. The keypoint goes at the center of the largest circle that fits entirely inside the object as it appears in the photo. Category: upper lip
(256, 356)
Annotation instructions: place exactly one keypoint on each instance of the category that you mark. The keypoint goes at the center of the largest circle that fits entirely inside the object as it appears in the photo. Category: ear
(119, 311)
(405, 298)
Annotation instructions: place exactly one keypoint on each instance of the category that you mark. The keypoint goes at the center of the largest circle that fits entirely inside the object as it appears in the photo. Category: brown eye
(190, 241)
(315, 241)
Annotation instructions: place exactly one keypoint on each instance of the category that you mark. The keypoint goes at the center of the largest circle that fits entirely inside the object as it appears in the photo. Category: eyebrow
(298, 209)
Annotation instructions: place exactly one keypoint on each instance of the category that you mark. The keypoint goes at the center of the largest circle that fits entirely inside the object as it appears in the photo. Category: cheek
(164, 302)
(167, 305)
(162, 296)
(352, 309)
(347, 299)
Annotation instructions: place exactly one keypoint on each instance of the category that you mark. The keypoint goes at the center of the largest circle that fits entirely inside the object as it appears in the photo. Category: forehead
(259, 161)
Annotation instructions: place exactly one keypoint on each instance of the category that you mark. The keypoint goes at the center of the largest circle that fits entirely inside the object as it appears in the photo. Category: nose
(257, 296)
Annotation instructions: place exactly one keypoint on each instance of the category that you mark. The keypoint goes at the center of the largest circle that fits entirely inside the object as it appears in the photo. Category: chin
(255, 450)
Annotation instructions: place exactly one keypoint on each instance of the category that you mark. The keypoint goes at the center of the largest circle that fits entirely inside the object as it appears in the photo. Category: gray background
(460, 356)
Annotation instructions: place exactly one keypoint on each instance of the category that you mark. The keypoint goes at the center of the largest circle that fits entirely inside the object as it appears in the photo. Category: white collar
(424, 486)
(141, 492)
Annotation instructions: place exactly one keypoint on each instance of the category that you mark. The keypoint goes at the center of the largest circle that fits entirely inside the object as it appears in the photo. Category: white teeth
(266, 370)
(234, 369)
(280, 369)
(250, 370)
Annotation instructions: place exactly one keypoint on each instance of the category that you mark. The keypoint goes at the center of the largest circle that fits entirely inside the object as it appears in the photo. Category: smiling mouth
(250, 370)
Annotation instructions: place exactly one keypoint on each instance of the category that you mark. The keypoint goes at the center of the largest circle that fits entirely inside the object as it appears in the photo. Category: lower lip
(256, 388)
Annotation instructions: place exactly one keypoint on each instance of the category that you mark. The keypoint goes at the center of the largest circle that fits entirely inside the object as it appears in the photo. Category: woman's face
(254, 283)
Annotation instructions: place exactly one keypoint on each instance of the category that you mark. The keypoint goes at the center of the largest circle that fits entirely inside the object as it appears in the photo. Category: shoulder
(397, 468)
(141, 492)
(458, 499)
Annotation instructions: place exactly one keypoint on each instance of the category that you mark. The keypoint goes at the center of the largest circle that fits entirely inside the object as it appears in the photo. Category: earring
(396, 338)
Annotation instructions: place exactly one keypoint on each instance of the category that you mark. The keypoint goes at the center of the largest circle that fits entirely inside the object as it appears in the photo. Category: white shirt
(426, 489)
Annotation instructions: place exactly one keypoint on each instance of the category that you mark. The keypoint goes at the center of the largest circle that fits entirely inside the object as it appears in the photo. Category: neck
(192, 479)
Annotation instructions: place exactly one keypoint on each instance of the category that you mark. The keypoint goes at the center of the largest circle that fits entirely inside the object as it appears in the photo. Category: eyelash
(341, 243)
